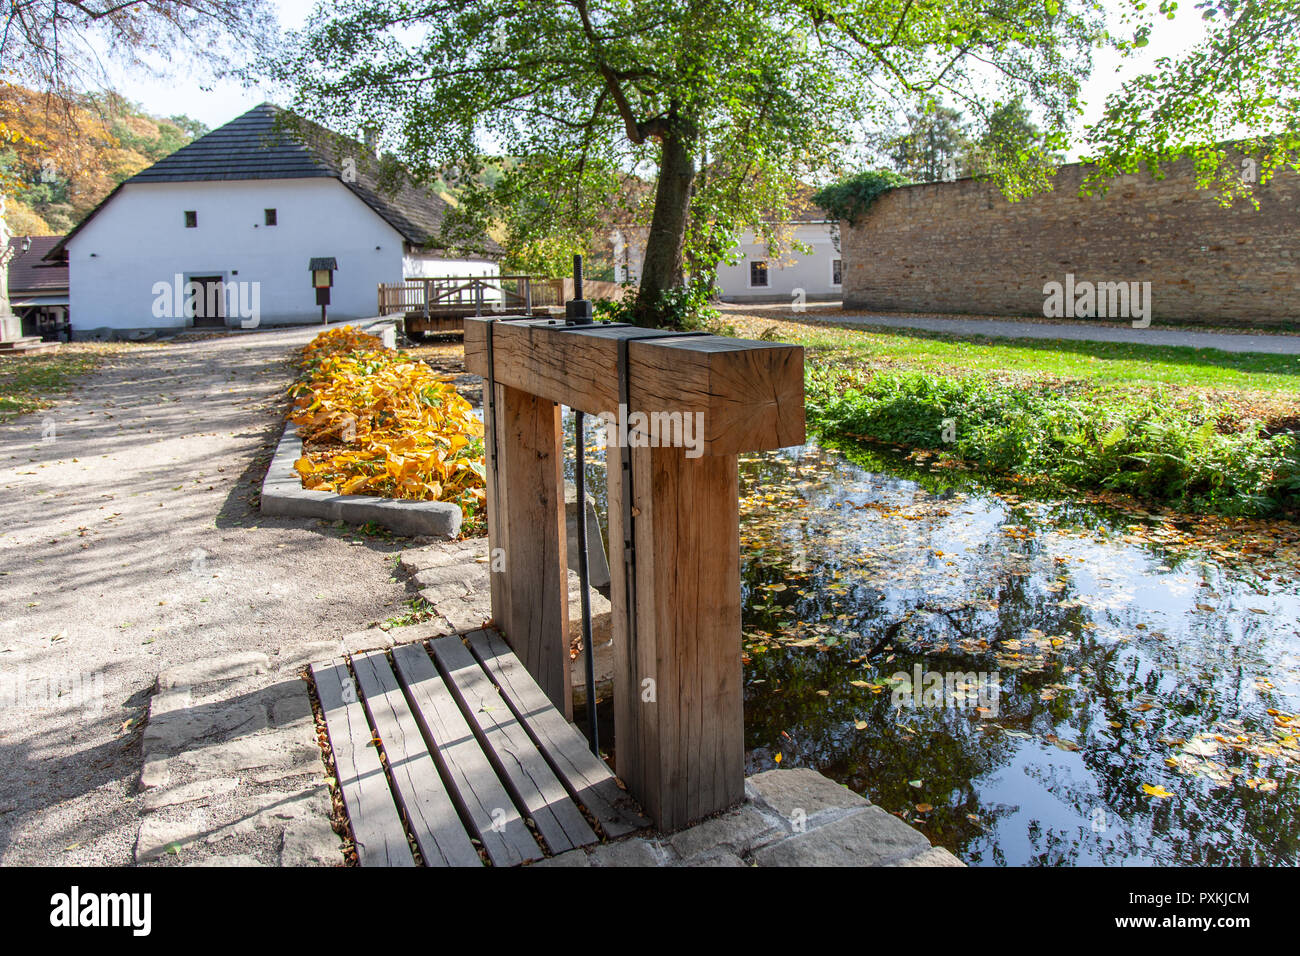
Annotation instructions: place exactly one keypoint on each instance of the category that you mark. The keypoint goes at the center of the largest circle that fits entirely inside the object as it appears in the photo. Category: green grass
(30, 383)
(1040, 359)
(1185, 452)
(1198, 430)
(418, 610)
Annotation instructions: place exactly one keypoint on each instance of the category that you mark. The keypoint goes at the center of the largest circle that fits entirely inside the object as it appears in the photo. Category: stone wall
(962, 247)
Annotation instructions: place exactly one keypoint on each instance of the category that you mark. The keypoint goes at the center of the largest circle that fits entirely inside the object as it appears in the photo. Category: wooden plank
(497, 528)
(525, 498)
(750, 393)
(678, 698)
(587, 777)
(517, 760)
(471, 781)
(376, 828)
(430, 813)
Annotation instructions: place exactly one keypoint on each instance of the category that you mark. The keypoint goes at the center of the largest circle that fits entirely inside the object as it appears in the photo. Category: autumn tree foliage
(65, 154)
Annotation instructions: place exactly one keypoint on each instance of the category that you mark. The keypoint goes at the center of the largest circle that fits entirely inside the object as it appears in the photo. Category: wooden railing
(673, 531)
(556, 292)
(480, 295)
(477, 295)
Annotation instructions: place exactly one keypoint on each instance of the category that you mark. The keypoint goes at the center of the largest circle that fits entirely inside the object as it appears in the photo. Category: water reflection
(1126, 669)
(1121, 668)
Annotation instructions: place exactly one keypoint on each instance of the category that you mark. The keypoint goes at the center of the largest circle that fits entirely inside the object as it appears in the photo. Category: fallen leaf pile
(377, 422)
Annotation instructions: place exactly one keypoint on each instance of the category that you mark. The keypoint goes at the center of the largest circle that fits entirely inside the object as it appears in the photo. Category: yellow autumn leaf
(352, 484)
(1157, 791)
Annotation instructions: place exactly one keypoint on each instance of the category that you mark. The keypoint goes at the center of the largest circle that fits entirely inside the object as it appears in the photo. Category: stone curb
(790, 818)
(284, 496)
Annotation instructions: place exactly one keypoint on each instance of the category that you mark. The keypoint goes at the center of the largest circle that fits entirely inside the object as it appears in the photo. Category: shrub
(685, 308)
(1143, 445)
(382, 423)
(850, 198)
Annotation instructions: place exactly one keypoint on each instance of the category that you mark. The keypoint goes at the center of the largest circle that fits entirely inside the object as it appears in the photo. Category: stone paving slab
(866, 837)
(789, 818)
(232, 771)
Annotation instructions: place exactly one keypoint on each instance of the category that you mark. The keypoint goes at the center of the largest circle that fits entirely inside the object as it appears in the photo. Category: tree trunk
(663, 253)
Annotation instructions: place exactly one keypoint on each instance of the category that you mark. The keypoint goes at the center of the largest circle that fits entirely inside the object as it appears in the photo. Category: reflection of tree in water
(1070, 696)
(948, 748)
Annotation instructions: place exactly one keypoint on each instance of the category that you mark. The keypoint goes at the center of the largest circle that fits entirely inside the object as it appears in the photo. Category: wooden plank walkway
(448, 753)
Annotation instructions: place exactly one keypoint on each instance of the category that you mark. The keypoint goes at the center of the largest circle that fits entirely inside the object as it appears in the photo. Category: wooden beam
(584, 774)
(678, 699)
(518, 762)
(429, 808)
(526, 537)
(377, 830)
(471, 781)
(749, 393)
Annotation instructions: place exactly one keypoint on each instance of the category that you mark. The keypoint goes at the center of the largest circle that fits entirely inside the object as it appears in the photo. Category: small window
(758, 273)
(191, 219)
(837, 272)
(269, 216)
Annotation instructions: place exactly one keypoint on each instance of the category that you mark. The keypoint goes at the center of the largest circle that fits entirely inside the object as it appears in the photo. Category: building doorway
(210, 302)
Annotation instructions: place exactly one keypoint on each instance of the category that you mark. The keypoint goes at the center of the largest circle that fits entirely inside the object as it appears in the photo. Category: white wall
(811, 272)
(629, 254)
(417, 265)
(139, 239)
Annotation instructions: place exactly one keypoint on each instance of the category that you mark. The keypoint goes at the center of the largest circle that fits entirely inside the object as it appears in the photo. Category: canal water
(1028, 682)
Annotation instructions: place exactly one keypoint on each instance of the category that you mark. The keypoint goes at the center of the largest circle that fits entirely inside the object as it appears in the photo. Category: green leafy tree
(1231, 103)
(726, 106)
(849, 198)
(1013, 149)
(934, 146)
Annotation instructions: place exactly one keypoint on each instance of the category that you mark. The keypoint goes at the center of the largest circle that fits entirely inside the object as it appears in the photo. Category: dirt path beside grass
(129, 542)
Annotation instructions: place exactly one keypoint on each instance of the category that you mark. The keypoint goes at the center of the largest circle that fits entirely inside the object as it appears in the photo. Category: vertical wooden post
(526, 536)
(679, 714)
(678, 699)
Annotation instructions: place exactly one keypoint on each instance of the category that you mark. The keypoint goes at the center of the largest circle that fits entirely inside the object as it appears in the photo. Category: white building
(814, 275)
(219, 234)
(759, 276)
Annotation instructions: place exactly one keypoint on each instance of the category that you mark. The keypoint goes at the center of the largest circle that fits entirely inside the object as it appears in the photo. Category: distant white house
(220, 233)
(758, 276)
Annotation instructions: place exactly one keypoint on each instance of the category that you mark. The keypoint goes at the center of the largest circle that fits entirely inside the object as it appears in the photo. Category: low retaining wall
(284, 496)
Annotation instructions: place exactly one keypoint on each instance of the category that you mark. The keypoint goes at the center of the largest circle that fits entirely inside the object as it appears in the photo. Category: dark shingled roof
(270, 143)
(29, 275)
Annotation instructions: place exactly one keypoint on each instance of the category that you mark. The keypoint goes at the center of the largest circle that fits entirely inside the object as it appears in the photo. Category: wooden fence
(459, 295)
(480, 295)
(556, 292)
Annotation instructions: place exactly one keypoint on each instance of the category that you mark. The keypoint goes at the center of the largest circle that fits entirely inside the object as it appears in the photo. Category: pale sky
(217, 103)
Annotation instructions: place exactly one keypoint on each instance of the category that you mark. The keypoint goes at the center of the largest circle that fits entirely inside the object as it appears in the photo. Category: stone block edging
(284, 496)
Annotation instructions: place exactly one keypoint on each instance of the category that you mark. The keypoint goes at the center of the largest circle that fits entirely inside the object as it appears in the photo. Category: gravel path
(1040, 329)
(128, 543)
